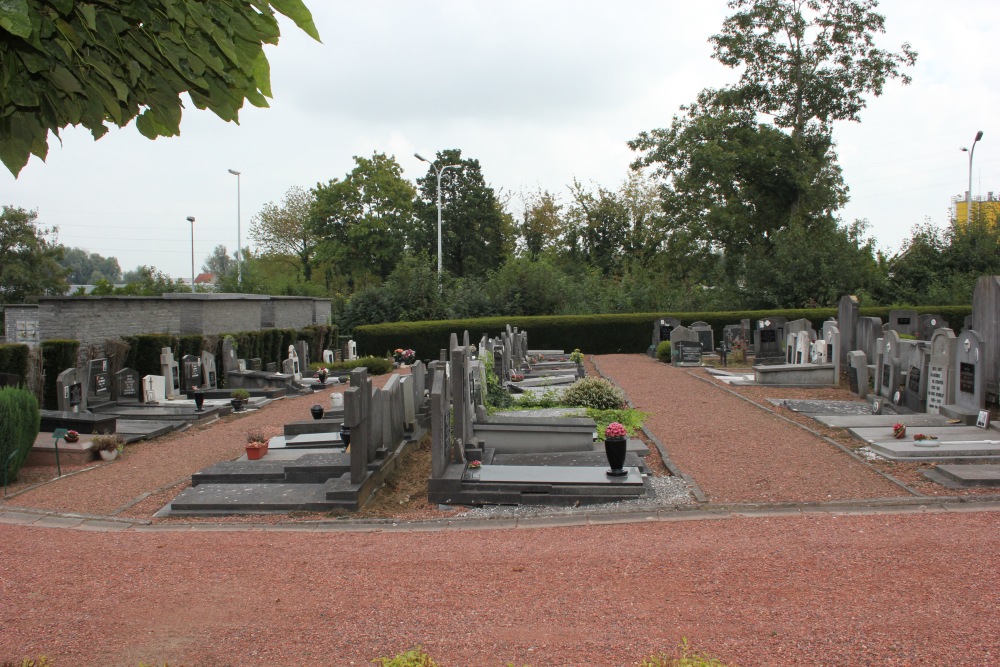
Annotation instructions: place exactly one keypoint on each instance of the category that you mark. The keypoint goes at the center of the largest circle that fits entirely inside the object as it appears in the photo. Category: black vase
(615, 450)
(199, 401)
(317, 411)
(345, 434)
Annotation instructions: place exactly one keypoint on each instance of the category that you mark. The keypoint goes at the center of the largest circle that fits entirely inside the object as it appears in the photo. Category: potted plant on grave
(321, 374)
(615, 440)
(238, 398)
(256, 446)
(107, 445)
(71, 436)
(516, 377)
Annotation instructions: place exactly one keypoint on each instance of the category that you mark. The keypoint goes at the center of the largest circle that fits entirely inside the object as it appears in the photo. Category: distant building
(206, 279)
(988, 207)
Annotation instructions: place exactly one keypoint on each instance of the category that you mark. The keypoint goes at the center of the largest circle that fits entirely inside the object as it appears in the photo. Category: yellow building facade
(987, 207)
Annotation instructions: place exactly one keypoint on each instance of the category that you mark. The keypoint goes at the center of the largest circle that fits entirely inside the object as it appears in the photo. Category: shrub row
(20, 421)
(594, 334)
(14, 359)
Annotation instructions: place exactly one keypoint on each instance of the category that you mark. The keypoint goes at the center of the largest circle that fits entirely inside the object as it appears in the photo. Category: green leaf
(14, 19)
(89, 16)
(63, 78)
(298, 12)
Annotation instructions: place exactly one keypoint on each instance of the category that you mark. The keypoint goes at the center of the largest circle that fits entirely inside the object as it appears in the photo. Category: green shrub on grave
(20, 420)
(663, 352)
(14, 359)
(57, 356)
(593, 392)
(189, 344)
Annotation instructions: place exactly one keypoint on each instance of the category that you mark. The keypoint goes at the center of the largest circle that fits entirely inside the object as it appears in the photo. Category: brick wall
(95, 319)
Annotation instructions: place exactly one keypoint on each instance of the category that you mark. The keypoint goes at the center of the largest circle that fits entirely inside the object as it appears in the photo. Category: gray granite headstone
(906, 322)
(302, 350)
(986, 321)
(869, 331)
(230, 361)
(847, 321)
(803, 341)
(71, 390)
(833, 343)
(915, 390)
(705, 335)
(357, 415)
(662, 328)
(255, 364)
(462, 403)
(191, 378)
(683, 335)
(889, 376)
(969, 371)
(441, 449)
(210, 378)
(940, 370)
(857, 373)
(98, 381)
(769, 338)
(929, 323)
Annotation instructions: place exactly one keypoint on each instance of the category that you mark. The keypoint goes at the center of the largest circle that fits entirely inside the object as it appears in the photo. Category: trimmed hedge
(57, 356)
(594, 334)
(14, 359)
(20, 421)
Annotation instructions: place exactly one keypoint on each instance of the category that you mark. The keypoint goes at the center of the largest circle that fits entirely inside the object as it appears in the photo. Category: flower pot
(614, 448)
(71, 438)
(317, 411)
(108, 454)
(254, 452)
(345, 434)
(199, 401)
(237, 404)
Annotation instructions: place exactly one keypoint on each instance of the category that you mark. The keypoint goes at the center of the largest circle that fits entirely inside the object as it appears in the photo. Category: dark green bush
(663, 352)
(14, 359)
(57, 356)
(20, 420)
(144, 352)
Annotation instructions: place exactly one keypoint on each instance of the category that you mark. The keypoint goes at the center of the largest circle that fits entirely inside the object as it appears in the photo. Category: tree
(86, 268)
(284, 231)
(807, 61)
(365, 222)
(477, 235)
(78, 63)
(219, 263)
(143, 281)
(598, 226)
(29, 258)
(542, 224)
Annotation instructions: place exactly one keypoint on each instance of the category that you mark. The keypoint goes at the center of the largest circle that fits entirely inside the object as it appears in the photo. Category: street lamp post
(239, 249)
(190, 219)
(968, 193)
(439, 173)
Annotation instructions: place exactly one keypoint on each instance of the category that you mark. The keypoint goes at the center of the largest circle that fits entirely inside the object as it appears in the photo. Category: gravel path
(733, 450)
(893, 587)
(914, 589)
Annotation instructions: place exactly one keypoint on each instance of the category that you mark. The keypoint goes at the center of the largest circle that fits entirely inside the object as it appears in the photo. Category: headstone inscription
(689, 353)
(940, 375)
(847, 320)
(128, 386)
(170, 370)
(969, 372)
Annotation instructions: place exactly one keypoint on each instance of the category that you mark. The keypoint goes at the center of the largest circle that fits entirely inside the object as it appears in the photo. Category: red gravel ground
(893, 587)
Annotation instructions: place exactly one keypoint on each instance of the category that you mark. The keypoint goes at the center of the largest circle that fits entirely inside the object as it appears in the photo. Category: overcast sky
(539, 92)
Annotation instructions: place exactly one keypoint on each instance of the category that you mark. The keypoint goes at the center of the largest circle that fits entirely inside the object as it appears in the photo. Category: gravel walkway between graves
(911, 585)
(733, 450)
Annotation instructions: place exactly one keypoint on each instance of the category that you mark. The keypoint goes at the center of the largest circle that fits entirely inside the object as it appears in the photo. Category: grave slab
(555, 475)
(967, 475)
(870, 420)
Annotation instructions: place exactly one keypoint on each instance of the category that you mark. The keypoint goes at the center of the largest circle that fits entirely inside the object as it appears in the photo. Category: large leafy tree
(808, 61)
(86, 268)
(283, 230)
(29, 258)
(99, 62)
(364, 222)
(477, 234)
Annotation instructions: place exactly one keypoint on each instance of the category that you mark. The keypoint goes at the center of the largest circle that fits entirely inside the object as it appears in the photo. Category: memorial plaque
(913, 379)
(75, 394)
(886, 375)
(967, 377)
(768, 336)
(935, 389)
(903, 320)
(101, 383)
(129, 386)
(212, 380)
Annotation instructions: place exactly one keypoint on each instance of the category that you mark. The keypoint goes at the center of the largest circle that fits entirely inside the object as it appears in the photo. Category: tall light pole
(239, 249)
(190, 219)
(968, 193)
(439, 173)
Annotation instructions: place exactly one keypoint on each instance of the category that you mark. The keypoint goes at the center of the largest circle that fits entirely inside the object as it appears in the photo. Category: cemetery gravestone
(857, 373)
(803, 343)
(790, 341)
(940, 376)
(192, 372)
(847, 320)
(889, 373)
(357, 408)
(969, 394)
(905, 322)
(769, 338)
(986, 321)
(705, 335)
(69, 391)
(869, 331)
(171, 371)
(930, 323)
(99, 381)
(302, 350)
(915, 392)
(154, 388)
(230, 362)
(833, 345)
(128, 385)
(210, 378)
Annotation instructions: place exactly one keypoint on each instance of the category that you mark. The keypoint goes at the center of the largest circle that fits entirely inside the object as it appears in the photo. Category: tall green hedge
(20, 420)
(57, 356)
(14, 359)
(594, 334)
